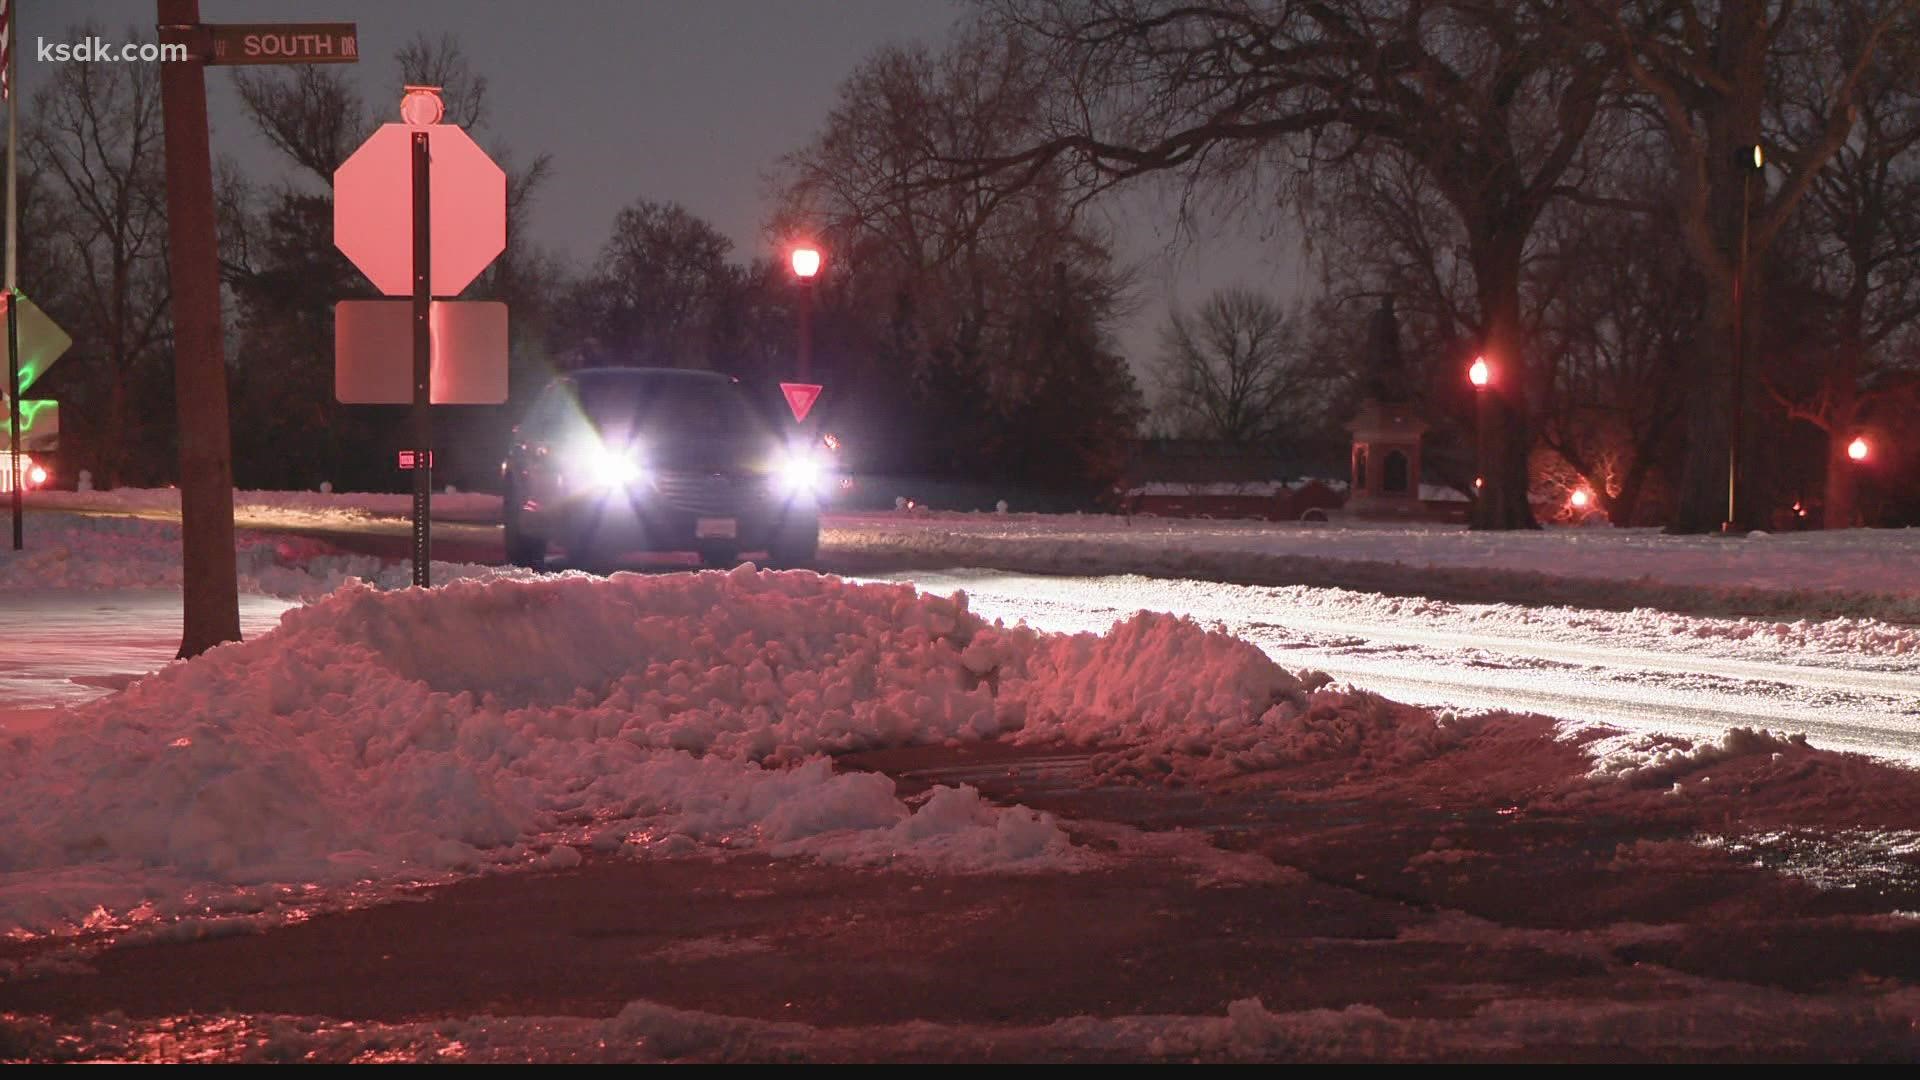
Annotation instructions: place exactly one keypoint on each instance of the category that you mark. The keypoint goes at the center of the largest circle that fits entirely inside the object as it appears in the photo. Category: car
(615, 460)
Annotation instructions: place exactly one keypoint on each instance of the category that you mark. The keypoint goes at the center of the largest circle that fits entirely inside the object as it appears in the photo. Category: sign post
(433, 240)
(19, 487)
(422, 360)
(34, 342)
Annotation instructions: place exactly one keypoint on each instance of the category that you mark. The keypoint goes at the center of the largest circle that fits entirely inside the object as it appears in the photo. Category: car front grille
(709, 494)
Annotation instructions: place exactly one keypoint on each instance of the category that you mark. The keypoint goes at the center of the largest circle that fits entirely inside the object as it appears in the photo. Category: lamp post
(1859, 449)
(806, 265)
(1752, 160)
(1480, 374)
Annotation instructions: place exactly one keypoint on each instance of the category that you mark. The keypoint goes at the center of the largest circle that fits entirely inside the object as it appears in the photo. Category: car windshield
(673, 403)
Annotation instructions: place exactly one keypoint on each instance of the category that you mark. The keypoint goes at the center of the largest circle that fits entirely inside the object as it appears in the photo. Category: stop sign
(373, 208)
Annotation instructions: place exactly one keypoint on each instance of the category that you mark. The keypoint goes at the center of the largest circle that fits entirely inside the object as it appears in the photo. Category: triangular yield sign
(800, 398)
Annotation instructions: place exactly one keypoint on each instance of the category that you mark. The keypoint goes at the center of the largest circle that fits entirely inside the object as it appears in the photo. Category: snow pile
(384, 737)
(77, 552)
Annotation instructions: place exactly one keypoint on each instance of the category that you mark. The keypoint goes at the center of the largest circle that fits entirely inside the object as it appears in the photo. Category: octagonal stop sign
(373, 208)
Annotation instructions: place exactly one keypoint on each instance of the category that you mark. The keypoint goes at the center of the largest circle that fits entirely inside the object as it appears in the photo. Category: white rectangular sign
(373, 352)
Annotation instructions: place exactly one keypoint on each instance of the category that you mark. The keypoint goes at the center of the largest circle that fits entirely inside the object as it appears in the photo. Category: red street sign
(800, 398)
(283, 43)
(410, 459)
(373, 208)
(373, 352)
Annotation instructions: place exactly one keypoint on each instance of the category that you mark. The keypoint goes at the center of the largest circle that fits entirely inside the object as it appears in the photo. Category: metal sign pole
(422, 359)
(13, 298)
(13, 421)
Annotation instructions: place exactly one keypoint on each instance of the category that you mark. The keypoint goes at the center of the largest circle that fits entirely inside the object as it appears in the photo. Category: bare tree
(1705, 70)
(1861, 242)
(1235, 368)
(656, 291)
(1491, 100)
(1620, 324)
(95, 142)
(311, 112)
(988, 305)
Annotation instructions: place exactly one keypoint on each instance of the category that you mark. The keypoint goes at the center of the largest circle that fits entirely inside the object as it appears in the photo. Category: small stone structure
(1385, 476)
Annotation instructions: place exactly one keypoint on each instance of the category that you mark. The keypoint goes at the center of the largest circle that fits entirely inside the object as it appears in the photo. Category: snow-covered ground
(1850, 571)
(260, 509)
(379, 738)
(1836, 572)
(1850, 683)
(78, 553)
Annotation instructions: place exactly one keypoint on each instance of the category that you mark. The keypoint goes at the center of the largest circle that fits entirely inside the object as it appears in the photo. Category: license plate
(715, 528)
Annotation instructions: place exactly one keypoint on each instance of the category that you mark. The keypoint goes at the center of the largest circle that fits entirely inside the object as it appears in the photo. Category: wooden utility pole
(210, 582)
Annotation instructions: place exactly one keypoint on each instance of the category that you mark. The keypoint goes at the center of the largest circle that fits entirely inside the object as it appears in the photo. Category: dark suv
(614, 460)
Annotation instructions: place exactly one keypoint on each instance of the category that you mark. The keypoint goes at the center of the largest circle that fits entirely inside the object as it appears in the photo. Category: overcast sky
(690, 101)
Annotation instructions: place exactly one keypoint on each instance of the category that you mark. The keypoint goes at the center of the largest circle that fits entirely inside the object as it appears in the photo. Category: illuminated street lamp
(806, 266)
(1580, 499)
(1751, 160)
(1859, 449)
(1480, 375)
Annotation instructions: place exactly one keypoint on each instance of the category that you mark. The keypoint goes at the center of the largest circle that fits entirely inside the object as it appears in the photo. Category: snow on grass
(76, 552)
(266, 508)
(1861, 572)
(1870, 572)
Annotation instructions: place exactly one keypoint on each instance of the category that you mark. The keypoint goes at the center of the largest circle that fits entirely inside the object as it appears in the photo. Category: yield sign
(800, 398)
(373, 208)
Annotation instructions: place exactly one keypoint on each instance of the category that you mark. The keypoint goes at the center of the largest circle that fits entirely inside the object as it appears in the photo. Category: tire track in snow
(1687, 689)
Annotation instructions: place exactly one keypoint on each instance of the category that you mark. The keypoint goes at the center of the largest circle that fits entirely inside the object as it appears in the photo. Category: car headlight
(801, 473)
(606, 468)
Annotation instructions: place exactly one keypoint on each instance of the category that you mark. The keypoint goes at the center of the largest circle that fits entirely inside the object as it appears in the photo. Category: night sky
(686, 101)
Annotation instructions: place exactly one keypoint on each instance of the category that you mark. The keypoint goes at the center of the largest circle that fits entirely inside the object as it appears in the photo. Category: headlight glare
(604, 467)
(802, 473)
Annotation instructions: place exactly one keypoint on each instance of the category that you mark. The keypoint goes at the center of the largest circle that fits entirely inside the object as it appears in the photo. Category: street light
(1859, 448)
(806, 265)
(1480, 375)
(1751, 160)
